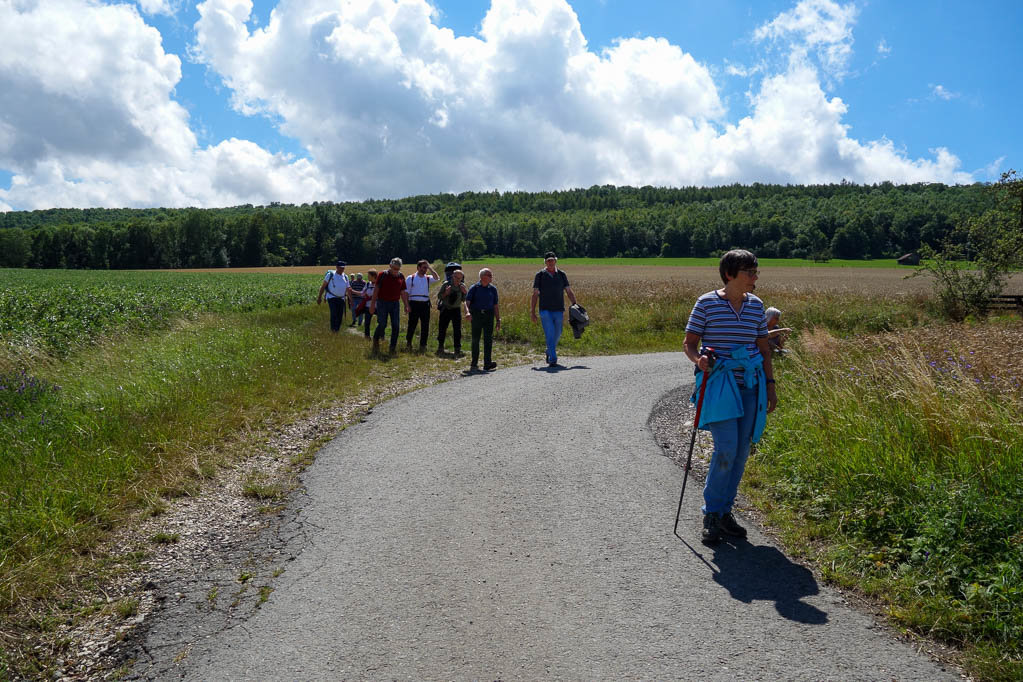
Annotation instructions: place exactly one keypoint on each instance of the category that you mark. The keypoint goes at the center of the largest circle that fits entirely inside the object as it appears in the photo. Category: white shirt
(336, 284)
(419, 286)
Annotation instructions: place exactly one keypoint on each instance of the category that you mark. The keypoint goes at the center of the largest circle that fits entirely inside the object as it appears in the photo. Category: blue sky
(176, 103)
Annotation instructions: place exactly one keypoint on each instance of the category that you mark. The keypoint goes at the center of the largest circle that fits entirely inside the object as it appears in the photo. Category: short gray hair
(487, 271)
(396, 261)
(772, 313)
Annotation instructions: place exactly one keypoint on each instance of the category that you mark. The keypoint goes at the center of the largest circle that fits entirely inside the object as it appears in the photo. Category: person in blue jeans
(550, 286)
(740, 384)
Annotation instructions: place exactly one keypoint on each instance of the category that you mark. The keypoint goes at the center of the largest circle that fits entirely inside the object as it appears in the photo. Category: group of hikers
(382, 295)
(730, 338)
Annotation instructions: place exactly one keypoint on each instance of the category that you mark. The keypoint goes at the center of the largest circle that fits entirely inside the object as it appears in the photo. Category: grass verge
(896, 465)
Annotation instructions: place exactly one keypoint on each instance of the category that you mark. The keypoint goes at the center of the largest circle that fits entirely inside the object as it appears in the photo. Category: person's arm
(692, 350)
(319, 296)
(465, 304)
(765, 352)
(571, 296)
(532, 305)
(373, 301)
(497, 315)
(432, 272)
(404, 297)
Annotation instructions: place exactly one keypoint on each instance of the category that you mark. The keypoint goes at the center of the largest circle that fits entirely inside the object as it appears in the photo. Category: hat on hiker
(341, 264)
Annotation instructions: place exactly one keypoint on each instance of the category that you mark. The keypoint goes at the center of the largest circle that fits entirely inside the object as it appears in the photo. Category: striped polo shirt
(717, 324)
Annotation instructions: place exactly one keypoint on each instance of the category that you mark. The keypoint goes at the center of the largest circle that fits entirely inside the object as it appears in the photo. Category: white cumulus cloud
(389, 103)
(97, 125)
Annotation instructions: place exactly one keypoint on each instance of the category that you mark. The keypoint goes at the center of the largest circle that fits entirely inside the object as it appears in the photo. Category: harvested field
(773, 281)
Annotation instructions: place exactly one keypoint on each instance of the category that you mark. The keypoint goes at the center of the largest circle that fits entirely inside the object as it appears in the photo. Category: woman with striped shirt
(740, 383)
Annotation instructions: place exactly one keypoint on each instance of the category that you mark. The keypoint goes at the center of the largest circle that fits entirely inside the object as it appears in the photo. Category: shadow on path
(558, 368)
(762, 572)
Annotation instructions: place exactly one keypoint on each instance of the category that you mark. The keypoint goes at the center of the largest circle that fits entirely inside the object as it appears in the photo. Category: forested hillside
(816, 221)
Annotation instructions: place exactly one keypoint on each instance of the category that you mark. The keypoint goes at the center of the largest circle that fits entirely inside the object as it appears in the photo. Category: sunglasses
(751, 273)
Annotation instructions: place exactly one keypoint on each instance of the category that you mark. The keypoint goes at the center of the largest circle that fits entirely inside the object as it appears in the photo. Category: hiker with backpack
(549, 288)
(388, 292)
(355, 292)
(739, 390)
(335, 284)
(418, 286)
(449, 301)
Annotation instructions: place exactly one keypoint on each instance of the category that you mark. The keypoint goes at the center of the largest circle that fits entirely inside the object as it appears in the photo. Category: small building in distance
(910, 259)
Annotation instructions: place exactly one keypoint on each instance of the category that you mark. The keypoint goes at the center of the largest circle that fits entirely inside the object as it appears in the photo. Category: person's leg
(367, 319)
(382, 311)
(488, 338)
(552, 320)
(424, 333)
(395, 319)
(715, 490)
(744, 435)
(456, 330)
(335, 305)
(442, 328)
(477, 331)
(413, 320)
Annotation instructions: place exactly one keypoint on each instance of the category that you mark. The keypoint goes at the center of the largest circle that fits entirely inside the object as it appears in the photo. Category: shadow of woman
(762, 572)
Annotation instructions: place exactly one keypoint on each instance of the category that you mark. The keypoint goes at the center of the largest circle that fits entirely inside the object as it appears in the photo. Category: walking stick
(709, 352)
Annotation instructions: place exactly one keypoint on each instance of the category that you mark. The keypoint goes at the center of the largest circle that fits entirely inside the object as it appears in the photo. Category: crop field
(57, 310)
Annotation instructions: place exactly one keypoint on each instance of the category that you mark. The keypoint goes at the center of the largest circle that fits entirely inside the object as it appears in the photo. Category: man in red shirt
(389, 290)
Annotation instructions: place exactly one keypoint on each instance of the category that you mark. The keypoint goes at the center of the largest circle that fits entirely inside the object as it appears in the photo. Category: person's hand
(372, 308)
(532, 315)
(772, 398)
(407, 309)
(468, 316)
(319, 300)
(703, 364)
(498, 325)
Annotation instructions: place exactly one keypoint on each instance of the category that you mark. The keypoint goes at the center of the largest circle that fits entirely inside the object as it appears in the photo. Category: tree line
(783, 221)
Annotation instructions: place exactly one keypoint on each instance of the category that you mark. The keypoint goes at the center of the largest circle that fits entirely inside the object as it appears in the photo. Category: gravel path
(518, 525)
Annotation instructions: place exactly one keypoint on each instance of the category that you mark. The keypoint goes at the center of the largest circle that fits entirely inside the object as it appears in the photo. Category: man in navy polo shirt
(482, 310)
(549, 288)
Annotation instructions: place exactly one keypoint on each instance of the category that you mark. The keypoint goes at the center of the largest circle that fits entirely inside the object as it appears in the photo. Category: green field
(894, 462)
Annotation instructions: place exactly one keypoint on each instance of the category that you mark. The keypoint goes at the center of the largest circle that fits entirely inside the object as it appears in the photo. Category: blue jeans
(732, 440)
(552, 322)
(385, 310)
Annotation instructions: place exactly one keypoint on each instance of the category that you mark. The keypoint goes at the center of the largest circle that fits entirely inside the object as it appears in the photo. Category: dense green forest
(784, 221)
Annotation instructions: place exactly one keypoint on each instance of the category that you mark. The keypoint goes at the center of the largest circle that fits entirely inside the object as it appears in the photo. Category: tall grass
(896, 462)
(139, 417)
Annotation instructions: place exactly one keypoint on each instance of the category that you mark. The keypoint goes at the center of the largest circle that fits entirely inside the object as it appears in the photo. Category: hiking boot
(440, 352)
(490, 366)
(711, 529)
(474, 368)
(376, 346)
(408, 346)
(729, 526)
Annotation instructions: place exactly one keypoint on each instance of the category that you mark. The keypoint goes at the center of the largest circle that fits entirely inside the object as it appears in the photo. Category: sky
(226, 102)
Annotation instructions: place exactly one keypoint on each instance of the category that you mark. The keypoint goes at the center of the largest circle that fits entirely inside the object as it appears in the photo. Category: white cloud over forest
(387, 103)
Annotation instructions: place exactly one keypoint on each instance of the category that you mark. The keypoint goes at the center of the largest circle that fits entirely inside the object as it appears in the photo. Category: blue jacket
(721, 400)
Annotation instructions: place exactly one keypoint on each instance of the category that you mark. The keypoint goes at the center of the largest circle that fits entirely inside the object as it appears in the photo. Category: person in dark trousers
(740, 387)
(418, 287)
(367, 297)
(335, 284)
(549, 288)
(451, 296)
(482, 310)
(388, 293)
